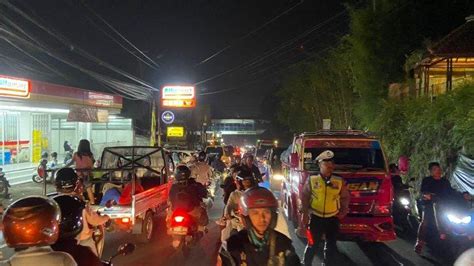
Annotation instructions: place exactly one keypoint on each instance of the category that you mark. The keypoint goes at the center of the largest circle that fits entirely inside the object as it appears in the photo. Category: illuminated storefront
(37, 116)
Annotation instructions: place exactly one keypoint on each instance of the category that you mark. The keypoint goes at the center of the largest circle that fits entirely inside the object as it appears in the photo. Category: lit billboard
(175, 132)
(178, 96)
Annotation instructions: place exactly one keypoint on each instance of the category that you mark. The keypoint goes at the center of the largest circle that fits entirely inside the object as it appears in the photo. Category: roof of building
(458, 43)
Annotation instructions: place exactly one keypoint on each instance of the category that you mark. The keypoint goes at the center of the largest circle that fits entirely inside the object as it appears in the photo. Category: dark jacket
(442, 188)
(240, 249)
(256, 173)
(228, 187)
(81, 254)
(187, 196)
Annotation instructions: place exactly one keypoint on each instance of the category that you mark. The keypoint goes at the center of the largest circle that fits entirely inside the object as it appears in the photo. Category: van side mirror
(294, 160)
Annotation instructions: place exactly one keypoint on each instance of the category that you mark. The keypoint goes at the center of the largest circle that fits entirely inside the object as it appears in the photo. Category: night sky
(178, 35)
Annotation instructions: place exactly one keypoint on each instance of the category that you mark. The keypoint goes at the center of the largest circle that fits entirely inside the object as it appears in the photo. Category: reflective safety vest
(325, 196)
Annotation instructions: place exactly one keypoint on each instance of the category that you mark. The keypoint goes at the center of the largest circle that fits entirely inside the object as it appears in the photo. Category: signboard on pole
(175, 132)
(167, 117)
(178, 96)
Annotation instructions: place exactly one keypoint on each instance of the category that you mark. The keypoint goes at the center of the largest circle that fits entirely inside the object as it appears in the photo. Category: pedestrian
(258, 244)
(325, 201)
(84, 160)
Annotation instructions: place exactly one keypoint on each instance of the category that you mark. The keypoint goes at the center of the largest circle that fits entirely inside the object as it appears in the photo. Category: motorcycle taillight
(179, 219)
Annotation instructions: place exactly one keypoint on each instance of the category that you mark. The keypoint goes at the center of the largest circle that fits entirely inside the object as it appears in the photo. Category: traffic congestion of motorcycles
(127, 188)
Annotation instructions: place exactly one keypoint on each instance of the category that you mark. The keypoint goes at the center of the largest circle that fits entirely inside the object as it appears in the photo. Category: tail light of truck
(382, 210)
(125, 220)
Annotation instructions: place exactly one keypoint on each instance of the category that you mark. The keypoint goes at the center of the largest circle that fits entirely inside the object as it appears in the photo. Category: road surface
(160, 252)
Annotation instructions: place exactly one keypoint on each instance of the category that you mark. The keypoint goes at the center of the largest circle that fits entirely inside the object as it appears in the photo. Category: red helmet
(31, 222)
(258, 197)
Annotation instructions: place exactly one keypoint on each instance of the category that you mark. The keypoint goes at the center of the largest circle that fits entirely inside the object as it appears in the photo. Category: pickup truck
(150, 166)
(360, 160)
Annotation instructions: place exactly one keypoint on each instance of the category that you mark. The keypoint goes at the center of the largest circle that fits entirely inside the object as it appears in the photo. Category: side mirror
(294, 160)
(126, 249)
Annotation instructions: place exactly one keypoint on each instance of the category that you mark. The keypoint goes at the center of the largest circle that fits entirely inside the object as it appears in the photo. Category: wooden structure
(448, 63)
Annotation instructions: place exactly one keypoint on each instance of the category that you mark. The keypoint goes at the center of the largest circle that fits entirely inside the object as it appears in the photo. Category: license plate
(180, 230)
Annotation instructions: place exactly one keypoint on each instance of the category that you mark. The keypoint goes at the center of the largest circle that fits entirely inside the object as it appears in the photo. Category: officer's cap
(325, 156)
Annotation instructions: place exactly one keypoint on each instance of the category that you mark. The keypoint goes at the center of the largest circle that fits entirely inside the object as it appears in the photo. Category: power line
(250, 33)
(77, 49)
(155, 65)
(274, 50)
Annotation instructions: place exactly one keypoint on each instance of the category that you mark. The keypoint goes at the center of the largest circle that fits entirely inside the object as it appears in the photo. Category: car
(360, 160)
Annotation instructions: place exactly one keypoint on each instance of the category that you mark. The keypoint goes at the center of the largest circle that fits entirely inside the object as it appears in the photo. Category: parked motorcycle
(124, 250)
(4, 185)
(42, 171)
(184, 231)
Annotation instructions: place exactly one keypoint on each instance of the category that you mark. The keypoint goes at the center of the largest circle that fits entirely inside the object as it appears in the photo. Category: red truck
(360, 160)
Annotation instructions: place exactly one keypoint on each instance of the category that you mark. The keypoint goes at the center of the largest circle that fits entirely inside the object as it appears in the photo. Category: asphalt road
(160, 252)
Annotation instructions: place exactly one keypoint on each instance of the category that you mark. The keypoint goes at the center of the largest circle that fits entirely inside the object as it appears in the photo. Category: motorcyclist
(434, 184)
(258, 244)
(69, 228)
(229, 184)
(218, 164)
(67, 183)
(30, 226)
(187, 194)
(243, 181)
(396, 178)
(250, 165)
(201, 171)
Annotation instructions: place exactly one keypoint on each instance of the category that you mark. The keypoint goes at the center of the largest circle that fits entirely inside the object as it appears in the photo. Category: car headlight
(404, 201)
(459, 220)
(278, 177)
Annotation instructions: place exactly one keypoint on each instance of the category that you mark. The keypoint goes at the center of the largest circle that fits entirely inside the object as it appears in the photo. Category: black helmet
(66, 178)
(182, 173)
(71, 216)
(202, 156)
(54, 154)
(44, 155)
(245, 174)
(31, 222)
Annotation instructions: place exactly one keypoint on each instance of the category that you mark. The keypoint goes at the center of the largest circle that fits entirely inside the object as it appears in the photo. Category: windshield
(367, 159)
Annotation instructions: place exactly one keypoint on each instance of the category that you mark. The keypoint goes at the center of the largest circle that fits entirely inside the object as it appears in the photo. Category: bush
(429, 130)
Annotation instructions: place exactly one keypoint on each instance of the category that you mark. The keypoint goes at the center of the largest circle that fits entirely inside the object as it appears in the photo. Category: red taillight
(179, 219)
(125, 220)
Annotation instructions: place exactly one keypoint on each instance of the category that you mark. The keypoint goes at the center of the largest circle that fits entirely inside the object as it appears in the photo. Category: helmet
(245, 174)
(54, 154)
(66, 178)
(258, 197)
(71, 216)
(31, 222)
(182, 173)
(44, 155)
(202, 156)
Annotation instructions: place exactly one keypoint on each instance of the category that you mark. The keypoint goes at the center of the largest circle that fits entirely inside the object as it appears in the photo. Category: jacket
(40, 256)
(325, 199)
(240, 251)
(83, 255)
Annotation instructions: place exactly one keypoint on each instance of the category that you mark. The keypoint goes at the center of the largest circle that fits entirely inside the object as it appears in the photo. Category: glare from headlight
(459, 220)
(404, 201)
(278, 177)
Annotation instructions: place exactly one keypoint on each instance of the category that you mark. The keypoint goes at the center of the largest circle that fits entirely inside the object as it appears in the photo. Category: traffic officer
(325, 201)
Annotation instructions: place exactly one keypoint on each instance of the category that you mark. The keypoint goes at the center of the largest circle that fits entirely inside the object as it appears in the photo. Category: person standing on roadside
(325, 201)
(83, 160)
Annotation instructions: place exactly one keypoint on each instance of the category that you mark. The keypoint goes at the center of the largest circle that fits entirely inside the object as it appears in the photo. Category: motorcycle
(402, 205)
(124, 250)
(42, 171)
(184, 231)
(454, 231)
(4, 185)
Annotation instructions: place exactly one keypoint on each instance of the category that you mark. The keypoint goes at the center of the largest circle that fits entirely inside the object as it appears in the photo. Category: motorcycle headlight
(277, 177)
(459, 220)
(404, 201)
